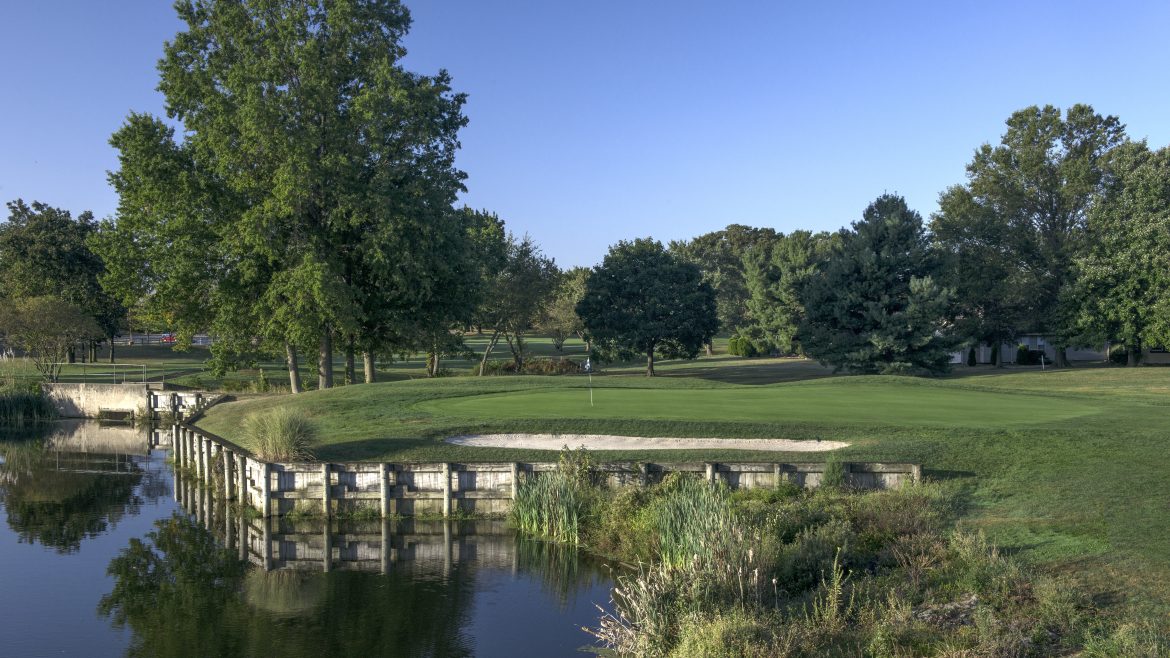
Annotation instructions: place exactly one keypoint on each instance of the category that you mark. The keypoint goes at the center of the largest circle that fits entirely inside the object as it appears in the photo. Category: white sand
(608, 442)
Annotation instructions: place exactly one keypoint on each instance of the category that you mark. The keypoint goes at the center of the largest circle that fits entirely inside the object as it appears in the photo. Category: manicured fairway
(862, 401)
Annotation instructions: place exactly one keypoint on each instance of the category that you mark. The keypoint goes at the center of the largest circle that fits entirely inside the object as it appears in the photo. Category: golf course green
(890, 401)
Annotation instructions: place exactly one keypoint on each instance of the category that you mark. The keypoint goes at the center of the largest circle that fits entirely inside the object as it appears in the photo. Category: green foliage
(44, 252)
(776, 275)
(560, 319)
(310, 195)
(644, 300)
(690, 517)
(972, 361)
(281, 434)
(720, 257)
(1126, 260)
(874, 307)
(551, 505)
(46, 328)
(516, 295)
(739, 345)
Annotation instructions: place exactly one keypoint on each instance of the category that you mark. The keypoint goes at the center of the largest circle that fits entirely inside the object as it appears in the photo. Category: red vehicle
(168, 338)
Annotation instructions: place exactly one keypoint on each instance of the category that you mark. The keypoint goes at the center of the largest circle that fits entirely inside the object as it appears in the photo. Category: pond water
(105, 552)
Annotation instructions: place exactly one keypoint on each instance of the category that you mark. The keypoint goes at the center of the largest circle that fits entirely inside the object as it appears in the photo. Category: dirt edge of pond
(611, 442)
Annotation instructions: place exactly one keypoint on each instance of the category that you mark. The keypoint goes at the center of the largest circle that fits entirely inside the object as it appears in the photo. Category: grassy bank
(1060, 468)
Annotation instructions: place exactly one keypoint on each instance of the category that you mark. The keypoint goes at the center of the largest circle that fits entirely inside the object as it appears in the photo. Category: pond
(106, 552)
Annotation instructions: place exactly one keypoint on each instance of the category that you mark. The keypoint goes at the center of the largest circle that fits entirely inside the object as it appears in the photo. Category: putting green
(829, 402)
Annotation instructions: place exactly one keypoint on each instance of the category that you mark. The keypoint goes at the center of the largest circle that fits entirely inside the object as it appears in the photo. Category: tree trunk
(71, 356)
(325, 362)
(997, 356)
(294, 371)
(112, 350)
(350, 371)
(710, 349)
(517, 348)
(433, 363)
(650, 363)
(1133, 356)
(1061, 357)
(369, 366)
(487, 351)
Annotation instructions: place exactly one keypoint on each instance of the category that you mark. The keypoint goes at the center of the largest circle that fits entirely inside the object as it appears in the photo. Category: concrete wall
(443, 489)
(88, 400)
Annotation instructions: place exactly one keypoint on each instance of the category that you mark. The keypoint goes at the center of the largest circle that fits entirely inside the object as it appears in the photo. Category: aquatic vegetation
(19, 408)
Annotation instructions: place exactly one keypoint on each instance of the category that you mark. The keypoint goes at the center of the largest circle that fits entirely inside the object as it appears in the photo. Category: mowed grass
(868, 401)
(1067, 469)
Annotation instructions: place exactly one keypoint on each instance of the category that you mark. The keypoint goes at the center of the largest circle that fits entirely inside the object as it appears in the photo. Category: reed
(18, 408)
(281, 435)
(690, 517)
(551, 506)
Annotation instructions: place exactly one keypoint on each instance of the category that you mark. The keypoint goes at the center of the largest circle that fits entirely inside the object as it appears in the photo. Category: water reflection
(73, 481)
(401, 588)
(204, 580)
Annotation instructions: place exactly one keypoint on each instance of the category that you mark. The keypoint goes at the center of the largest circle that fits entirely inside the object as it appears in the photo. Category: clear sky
(597, 121)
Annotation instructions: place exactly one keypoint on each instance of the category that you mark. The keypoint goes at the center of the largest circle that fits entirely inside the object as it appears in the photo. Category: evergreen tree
(776, 274)
(875, 306)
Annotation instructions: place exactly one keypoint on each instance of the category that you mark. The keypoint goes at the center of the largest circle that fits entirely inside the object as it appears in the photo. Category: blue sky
(600, 121)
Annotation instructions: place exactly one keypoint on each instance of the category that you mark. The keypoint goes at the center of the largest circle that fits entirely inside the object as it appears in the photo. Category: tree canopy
(875, 307)
(644, 300)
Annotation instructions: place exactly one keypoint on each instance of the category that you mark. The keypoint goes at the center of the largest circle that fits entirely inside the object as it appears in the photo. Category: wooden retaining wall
(445, 489)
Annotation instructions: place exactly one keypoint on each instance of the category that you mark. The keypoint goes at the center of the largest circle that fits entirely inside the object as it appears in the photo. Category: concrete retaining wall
(443, 489)
(89, 400)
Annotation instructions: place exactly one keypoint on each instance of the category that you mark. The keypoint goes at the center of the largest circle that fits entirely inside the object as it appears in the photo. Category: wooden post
(515, 480)
(384, 492)
(242, 479)
(776, 476)
(325, 495)
(644, 473)
(266, 493)
(916, 473)
(710, 473)
(446, 489)
(229, 459)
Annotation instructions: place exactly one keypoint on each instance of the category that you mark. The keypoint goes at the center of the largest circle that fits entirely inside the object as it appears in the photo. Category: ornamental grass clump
(281, 435)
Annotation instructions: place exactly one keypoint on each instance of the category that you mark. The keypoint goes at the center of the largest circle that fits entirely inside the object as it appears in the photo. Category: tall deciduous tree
(875, 306)
(644, 300)
(1038, 184)
(516, 296)
(560, 318)
(44, 251)
(320, 171)
(720, 256)
(1124, 274)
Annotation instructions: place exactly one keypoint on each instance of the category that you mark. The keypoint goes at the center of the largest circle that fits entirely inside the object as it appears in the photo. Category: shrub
(739, 345)
(834, 477)
(1027, 357)
(971, 360)
(281, 434)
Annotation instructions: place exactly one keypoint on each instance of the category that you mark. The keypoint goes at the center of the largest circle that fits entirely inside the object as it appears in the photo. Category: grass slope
(1067, 468)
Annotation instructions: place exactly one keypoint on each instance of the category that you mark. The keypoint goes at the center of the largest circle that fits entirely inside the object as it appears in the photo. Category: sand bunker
(609, 442)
